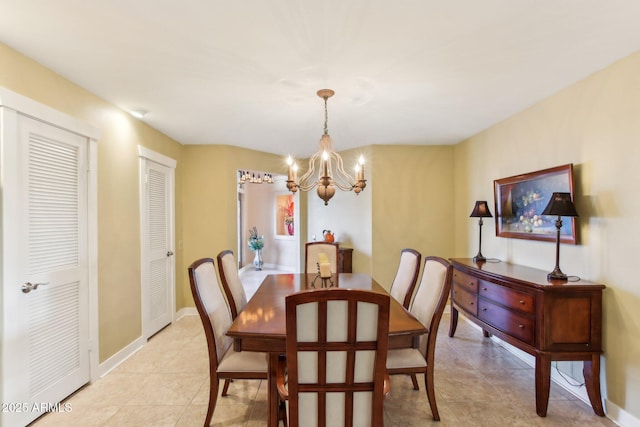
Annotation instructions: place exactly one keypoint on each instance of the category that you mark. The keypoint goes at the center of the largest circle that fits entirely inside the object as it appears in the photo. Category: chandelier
(326, 171)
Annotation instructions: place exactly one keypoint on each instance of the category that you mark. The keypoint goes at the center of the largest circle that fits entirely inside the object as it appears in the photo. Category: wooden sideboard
(551, 320)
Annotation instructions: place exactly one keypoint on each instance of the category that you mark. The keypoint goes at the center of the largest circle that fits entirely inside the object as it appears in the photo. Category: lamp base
(556, 275)
(479, 258)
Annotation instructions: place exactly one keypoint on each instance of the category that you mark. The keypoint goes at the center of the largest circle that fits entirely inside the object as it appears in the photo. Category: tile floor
(478, 383)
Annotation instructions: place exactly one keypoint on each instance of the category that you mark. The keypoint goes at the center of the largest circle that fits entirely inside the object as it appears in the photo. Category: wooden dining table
(261, 325)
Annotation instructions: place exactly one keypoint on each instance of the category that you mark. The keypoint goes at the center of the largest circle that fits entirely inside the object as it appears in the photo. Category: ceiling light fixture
(254, 178)
(328, 164)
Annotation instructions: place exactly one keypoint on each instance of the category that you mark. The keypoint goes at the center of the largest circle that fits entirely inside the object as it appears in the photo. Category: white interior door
(45, 322)
(158, 258)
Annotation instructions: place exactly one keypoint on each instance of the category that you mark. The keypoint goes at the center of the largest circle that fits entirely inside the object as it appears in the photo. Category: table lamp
(561, 205)
(480, 210)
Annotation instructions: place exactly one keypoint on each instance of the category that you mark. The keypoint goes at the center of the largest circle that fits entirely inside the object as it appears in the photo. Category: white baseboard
(114, 361)
(620, 416)
(111, 363)
(612, 411)
(284, 268)
(186, 311)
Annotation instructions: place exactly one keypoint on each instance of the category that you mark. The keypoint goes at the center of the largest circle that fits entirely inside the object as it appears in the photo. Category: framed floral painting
(520, 200)
(285, 215)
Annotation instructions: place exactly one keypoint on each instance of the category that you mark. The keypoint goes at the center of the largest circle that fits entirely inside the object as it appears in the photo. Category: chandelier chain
(326, 116)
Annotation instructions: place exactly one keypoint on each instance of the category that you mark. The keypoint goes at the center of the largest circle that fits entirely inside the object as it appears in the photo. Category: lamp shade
(560, 204)
(481, 210)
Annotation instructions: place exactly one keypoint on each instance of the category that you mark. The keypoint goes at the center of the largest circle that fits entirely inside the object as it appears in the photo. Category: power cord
(569, 380)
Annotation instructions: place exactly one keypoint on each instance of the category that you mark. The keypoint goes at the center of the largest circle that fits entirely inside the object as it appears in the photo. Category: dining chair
(313, 249)
(231, 283)
(224, 362)
(336, 347)
(427, 306)
(406, 276)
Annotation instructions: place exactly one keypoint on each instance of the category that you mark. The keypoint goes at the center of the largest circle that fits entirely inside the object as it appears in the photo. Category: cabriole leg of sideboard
(591, 372)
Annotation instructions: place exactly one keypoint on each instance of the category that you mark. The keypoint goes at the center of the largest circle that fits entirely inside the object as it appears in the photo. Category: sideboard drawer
(507, 297)
(513, 323)
(465, 281)
(465, 299)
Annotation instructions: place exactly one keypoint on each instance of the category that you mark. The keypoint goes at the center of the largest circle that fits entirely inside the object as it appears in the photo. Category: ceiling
(246, 72)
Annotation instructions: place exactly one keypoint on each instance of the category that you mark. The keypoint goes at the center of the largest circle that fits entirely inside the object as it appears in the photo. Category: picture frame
(520, 200)
(285, 216)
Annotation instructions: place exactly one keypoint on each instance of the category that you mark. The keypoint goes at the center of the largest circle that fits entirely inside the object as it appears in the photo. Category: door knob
(28, 287)
(169, 253)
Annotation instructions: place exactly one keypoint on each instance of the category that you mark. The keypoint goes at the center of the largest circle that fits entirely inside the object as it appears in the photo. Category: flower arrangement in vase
(256, 243)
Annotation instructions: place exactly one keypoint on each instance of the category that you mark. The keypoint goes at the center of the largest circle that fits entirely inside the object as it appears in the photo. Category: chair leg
(213, 397)
(225, 387)
(414, 380)
(431, 392)
(282, 412)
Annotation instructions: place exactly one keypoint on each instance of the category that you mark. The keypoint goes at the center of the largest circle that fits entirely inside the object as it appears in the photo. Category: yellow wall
(595, 125)
(412, 204)
(118, 202)
(209, 203)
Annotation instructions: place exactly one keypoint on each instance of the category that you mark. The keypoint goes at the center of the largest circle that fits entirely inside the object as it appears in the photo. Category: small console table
(345, 262)
(551, 320)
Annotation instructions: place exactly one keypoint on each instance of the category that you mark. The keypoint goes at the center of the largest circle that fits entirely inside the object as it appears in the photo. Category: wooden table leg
(272, 398)
(543, 382)
(591, 372)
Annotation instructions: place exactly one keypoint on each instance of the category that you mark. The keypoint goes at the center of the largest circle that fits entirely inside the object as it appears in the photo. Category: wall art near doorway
(285, 210)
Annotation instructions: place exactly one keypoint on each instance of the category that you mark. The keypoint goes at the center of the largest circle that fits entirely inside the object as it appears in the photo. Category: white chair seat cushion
(405, 358)
(243, 361)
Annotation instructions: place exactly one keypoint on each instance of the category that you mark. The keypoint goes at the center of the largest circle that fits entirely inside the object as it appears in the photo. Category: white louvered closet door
(159, 266)
(49, 330)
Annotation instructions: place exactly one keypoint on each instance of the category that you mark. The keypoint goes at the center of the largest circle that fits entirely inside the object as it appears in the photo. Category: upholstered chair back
(337, 342)
(313, 249)
(431, 297)
(231, 283)
(406, 277)
(211, 305)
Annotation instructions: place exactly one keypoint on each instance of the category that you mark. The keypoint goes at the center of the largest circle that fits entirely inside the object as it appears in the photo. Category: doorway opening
(275, 214)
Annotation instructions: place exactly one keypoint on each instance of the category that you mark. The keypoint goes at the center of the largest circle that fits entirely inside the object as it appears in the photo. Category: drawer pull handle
(484, 309)
(470, 283)
(484, 289)
(521, 302)
(521, 326)
(471, 303)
